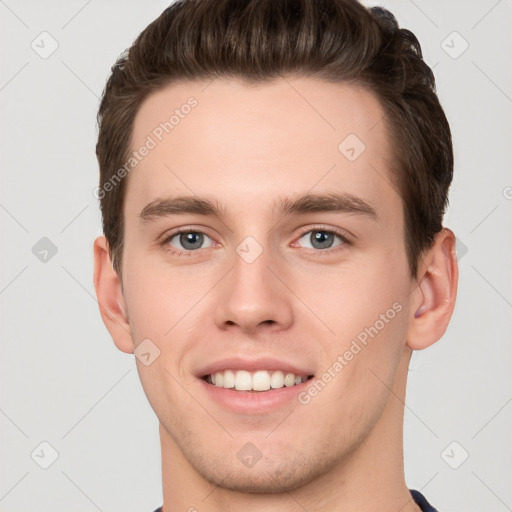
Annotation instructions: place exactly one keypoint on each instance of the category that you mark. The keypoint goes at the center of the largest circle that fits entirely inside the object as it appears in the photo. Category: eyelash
(316, 252)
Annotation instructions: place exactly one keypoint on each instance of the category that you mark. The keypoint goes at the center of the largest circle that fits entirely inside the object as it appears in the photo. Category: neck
(370, 478)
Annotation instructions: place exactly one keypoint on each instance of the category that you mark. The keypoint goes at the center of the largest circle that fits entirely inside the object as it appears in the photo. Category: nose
(254, 295)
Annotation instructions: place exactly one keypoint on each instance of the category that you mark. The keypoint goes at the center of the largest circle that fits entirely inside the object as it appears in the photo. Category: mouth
(258, 381)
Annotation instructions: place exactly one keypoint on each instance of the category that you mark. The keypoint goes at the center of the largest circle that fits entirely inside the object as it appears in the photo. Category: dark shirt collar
(420, 500)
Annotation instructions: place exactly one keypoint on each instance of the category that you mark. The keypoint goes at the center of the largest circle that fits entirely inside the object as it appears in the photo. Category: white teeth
(289, 380)
(219, 379)
(261, 380)
(277, 379)
(243, 380)
(229, 379)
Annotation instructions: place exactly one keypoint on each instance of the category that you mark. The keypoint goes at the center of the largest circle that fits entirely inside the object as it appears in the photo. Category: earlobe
(110, 297)
(436, 292)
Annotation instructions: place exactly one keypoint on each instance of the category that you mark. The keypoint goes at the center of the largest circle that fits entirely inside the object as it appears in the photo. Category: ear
(434, 297)
(110, 297)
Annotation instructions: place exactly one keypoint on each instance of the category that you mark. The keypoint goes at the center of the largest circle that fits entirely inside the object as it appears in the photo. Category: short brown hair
(259, 40)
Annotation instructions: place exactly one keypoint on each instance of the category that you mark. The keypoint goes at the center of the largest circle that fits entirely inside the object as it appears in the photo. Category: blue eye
(189, 240)
(322, 238)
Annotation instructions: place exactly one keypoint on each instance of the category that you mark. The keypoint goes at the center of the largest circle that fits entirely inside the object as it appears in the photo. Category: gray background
(62, 380)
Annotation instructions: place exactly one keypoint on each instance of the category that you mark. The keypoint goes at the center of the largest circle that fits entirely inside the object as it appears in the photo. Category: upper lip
(251, 365)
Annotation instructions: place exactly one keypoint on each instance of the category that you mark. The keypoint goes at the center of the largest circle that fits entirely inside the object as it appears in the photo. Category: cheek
(160, 307)
(351, 298)
(158, 299)
(366, 308)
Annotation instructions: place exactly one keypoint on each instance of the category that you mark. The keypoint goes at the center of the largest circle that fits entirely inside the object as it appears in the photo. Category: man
(273, 177)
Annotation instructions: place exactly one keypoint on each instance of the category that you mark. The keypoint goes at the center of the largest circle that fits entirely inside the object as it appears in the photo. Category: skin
(247, 146)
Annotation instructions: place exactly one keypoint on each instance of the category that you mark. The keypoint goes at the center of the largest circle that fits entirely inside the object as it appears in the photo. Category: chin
(272, 474)
(258, 480)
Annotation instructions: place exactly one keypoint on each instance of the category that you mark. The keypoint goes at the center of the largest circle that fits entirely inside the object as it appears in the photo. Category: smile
(260, 380)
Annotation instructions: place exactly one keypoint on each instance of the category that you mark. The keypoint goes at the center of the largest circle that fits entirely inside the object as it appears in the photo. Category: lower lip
(247, 402)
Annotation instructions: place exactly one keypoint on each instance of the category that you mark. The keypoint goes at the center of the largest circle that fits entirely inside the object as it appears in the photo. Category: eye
(187, 240)
(322, 239)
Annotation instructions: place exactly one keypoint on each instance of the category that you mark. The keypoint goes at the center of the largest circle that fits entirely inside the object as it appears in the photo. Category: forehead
(227, 138)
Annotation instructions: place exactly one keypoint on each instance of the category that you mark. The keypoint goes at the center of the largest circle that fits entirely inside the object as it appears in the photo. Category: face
(263, 238)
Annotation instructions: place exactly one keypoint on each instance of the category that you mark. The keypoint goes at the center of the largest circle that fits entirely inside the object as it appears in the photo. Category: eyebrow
(302, 204)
